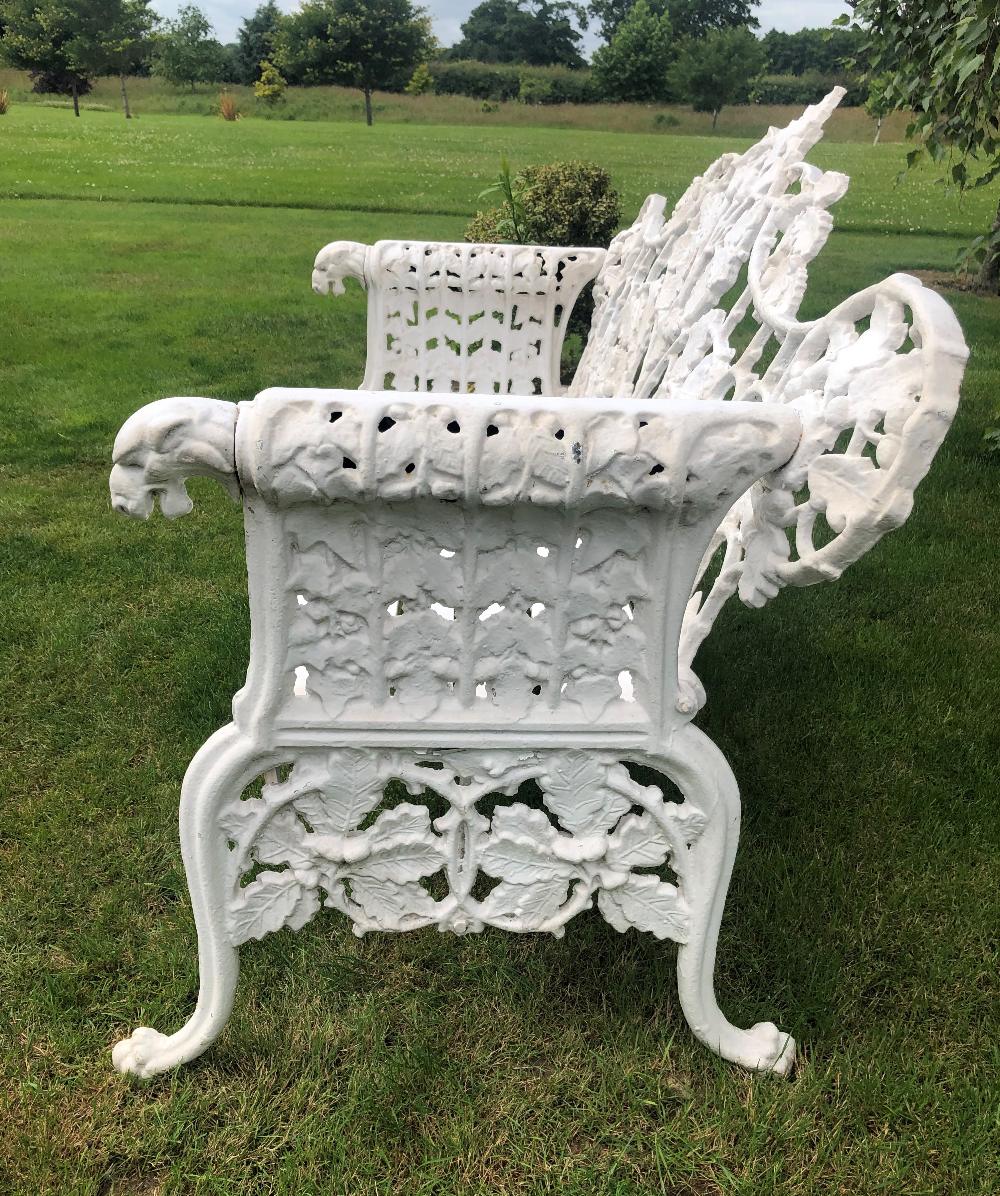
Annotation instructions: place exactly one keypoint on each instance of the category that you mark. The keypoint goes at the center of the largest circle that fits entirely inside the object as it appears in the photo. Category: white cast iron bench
(463, 579)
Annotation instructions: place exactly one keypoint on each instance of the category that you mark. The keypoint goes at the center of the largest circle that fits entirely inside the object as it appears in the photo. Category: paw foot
(142, 1054)
(768, 1049)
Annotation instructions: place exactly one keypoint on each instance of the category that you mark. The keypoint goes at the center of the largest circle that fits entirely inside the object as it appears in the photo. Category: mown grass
(861, 718)
(414, 169)
(156, 96)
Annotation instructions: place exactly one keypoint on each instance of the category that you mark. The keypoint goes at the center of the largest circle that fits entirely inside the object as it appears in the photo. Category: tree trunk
(878, 130)
(128, 115)
(715, 117)
(988, 278)
(368, 106)
(76, 100)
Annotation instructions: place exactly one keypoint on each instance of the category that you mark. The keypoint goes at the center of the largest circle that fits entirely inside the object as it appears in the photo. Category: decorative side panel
(483, 559)
(325, 836)
(432, 610)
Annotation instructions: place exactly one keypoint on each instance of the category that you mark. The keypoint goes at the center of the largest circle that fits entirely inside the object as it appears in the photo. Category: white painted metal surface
(462, 581)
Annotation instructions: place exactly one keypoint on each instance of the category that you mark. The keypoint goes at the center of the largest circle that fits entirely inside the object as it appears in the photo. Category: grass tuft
(228, 107)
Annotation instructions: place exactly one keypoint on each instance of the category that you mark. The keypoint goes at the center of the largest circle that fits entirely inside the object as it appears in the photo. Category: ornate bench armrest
(166, 442)
(458, 317)
(876, 385)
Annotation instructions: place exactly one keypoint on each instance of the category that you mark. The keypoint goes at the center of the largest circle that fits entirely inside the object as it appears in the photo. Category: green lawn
(417, 170)
(154, 95)
(862, 719)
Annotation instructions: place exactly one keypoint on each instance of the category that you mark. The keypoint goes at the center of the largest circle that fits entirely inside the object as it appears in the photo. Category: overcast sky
(448, 15)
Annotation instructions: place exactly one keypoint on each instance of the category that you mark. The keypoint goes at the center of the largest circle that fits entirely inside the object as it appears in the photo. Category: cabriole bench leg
(702, 774)
(221, 769)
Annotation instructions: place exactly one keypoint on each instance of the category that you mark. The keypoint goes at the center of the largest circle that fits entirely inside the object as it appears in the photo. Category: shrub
(556, 85)
(561, 203)
(228, 108)
(59, 82)
(4, 101)
(533, 90)
(270, 87)
(665, 120)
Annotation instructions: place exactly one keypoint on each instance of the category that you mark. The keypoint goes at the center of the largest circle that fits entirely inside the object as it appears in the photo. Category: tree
(633, 65)
(356, 43)
(717, 69)
(611, 14)
(824, 50)
(688, 18)
(186, 52)
(255, 42)
(270, 87)
(536, 32)
(112, 37)
(697, 18)
(940, 59)
(36, 37)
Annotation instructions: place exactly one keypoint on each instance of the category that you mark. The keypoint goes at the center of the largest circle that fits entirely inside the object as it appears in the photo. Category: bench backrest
(672, 292)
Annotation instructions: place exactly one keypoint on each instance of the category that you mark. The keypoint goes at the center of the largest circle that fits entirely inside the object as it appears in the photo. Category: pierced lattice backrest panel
(669, 296)
(461, 318)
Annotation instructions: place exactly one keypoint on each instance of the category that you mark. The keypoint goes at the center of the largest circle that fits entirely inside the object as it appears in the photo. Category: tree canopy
(185, 51)
(63, 44)
(633, 65)
(696, 18)
(717, 69)
(255, 41)
(366, 44)
(37, 37)
(940, 59)
(688, 18)
(115, 40)
(536, 32)
(824, 50)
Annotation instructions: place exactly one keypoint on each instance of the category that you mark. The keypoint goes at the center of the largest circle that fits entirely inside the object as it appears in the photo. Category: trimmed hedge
(807, 88)
(498, 82)
(529, 84)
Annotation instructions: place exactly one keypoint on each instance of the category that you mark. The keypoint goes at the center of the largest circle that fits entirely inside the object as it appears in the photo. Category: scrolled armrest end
(165, 443)
(337, 261)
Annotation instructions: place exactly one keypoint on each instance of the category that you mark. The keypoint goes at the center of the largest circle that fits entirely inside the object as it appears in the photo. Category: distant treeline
(562, 85)
(699, 52)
